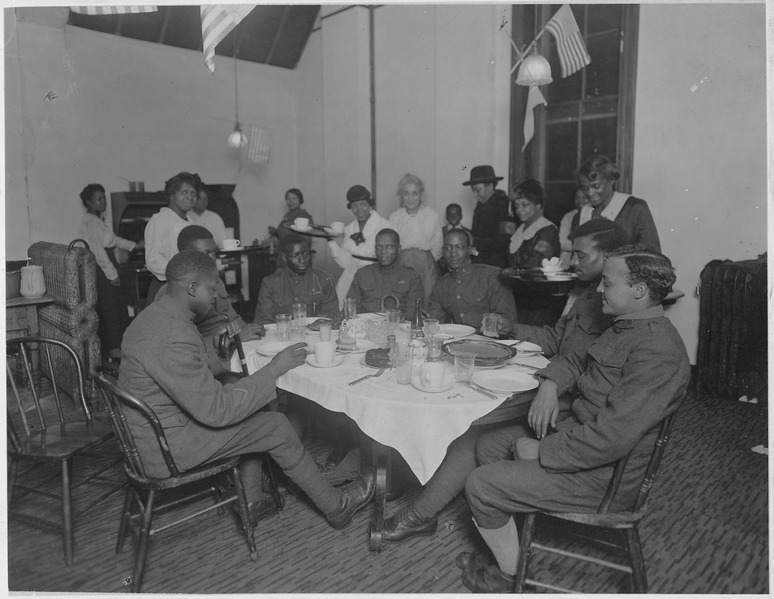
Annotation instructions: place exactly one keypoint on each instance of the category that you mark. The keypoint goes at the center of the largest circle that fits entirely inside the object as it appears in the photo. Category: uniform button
(577, 316)
(458, 281)
(462, 315)
(616, 330)
(458, 297)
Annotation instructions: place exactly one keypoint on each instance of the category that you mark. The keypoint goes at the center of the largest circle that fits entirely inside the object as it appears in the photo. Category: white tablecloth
(419, 425)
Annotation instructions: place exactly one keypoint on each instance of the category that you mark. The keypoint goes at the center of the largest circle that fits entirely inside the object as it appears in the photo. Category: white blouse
(99, 236)
(421, 230)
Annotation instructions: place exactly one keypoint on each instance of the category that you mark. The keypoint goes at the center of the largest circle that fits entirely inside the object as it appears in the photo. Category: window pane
(561, 90)
(603, 17)
(561, 113)
(561, 144)
(602, 73)
(599, 137)
(600, 107)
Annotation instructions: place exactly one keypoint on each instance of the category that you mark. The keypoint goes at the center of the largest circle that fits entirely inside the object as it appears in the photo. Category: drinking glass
(489, 325)
(463, 367)
(283, 326)
(393, 316)
(403, 360)
(432, 326)
(350, 308)
(325, 329)
(434, 347)
(299, 317)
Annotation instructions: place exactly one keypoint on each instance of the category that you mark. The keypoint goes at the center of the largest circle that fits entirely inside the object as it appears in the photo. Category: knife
(481, 391)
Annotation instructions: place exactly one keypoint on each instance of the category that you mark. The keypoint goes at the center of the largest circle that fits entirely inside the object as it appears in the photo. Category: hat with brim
(482, 174)
(357, 193)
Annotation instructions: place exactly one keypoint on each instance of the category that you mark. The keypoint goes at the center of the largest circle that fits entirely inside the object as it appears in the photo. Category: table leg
(381, 458)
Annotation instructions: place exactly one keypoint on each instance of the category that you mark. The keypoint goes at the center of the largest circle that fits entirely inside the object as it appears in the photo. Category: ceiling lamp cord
(236, 138)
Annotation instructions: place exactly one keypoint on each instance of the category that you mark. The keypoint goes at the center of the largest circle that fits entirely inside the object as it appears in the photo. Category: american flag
(258, 151)
(112, 10)
(217, 23)
(573, 55)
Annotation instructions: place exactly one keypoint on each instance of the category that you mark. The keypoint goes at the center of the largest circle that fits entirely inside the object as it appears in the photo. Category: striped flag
(258, 151)
(534, 99)
(112, 10)
(217, 23)
(573, 55)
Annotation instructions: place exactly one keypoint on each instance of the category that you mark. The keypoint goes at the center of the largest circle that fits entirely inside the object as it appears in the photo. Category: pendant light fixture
(236, 139)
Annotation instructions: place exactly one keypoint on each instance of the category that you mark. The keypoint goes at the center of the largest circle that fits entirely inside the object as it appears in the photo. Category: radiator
(732, 354)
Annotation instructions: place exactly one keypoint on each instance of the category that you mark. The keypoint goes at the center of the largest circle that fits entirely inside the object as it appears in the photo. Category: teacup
(302, 224)
(324, 351)
(337, 227)
(230, 244)
(431, 374)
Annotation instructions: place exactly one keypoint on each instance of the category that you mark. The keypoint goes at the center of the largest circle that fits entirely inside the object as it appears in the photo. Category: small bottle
(393, 345)
(416, 322)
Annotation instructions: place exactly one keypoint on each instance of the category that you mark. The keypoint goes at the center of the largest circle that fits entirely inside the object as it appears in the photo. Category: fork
(368, 376)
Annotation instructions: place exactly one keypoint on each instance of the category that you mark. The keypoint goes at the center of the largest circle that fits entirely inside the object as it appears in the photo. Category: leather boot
(407, 524)
(355, 496)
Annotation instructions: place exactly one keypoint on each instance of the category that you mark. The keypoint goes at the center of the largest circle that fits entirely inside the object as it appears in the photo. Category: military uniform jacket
(373, 282)
(463, 297)
(165, 365)
(284, 288)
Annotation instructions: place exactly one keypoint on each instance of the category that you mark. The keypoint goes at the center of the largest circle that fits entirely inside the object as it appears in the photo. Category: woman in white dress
(359, 238)
(419, 227)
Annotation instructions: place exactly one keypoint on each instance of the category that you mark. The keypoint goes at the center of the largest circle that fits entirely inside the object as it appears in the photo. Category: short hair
(606, 235)
(190, 235)
(648, 266)
(532, 190)
(297, 193)
(291, 239)
(599, 165)
(392, 232)
(180, 179)
(190, 265)
(89, 191)
(409, 179)
(453, 206)
(462, 232)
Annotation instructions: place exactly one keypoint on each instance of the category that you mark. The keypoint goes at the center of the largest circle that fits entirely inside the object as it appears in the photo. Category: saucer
(448, 383)
(312, 361)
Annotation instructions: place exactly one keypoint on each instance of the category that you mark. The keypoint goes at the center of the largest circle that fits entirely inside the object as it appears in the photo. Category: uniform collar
(649, 314)
(175, 308)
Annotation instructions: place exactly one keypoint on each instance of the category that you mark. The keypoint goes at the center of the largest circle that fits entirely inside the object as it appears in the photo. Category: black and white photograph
(444, 297)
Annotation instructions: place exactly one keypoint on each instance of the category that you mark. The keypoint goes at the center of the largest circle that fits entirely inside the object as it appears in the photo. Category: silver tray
(487, 353)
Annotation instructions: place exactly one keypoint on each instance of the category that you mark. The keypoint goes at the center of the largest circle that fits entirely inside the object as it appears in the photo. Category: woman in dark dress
(537, 237)
(293, 199)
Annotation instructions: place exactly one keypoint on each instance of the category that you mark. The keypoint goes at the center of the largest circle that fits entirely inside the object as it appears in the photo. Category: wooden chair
(143, 489)
(50, 434)
(604, 518)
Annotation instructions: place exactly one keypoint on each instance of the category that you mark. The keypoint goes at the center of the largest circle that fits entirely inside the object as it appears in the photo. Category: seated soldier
(221, 316)
(298, 283)
(165, 365)
(468, 290)
(630, 380)
(573, 334)
(388, 277)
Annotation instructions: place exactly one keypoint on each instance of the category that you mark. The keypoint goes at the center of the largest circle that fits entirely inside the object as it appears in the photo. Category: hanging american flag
(217, 23)
(258, 151)
(112, 10)
(573, 55)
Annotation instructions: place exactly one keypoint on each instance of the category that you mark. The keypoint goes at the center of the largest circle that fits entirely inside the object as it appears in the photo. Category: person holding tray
(359, 238)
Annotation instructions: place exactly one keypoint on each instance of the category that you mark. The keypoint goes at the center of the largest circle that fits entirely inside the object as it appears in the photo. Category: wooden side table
(21, 314)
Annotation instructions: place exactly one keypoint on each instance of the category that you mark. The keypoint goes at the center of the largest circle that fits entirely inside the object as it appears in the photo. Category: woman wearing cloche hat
(490, 236)
(359, 238)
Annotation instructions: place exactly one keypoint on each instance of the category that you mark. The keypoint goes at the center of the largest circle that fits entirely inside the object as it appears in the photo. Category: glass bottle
(416, 322)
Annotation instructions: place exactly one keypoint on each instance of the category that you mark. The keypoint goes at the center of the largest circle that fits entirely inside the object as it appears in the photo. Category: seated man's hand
(504, 326)
(527, 449)
(289, 358)
(252, 331)
(544, 409)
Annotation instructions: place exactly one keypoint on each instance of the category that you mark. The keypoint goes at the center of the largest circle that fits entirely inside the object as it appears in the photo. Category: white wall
(127, 110)
(700, 138)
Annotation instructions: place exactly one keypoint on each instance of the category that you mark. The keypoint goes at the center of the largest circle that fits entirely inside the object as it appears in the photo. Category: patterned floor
(706, 532)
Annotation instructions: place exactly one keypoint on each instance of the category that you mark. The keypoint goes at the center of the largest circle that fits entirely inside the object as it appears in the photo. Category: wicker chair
(184, 487)
(625, 521)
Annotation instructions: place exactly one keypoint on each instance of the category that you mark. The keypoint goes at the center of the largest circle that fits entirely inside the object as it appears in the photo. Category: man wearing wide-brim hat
(492, 209)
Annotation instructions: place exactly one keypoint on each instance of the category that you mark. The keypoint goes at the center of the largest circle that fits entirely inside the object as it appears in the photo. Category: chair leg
(244, 513)
(142, 545)
(13, 470)
(67, 512)
(637, 561)
(274, 487)
(125, 518)
(527, 534)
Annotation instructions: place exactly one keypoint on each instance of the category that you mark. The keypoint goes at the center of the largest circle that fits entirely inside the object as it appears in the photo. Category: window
(591, 111)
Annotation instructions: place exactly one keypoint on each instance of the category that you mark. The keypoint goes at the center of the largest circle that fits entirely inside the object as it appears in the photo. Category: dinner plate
(504, 381)
(448, 383)
(316, 231)
(487, 353)
(363, 363)
(366, 258)
(456, 330)
(561, 275)
(312, 361)
(551, 269)
(272, 348)
(527, 348)
(363, 345)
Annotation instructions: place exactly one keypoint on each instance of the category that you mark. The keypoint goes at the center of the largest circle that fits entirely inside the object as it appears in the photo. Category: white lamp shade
(534, 70)
(236, 139)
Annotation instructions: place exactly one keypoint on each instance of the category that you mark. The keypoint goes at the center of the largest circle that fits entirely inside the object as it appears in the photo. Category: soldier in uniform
(388, 277)
(468, 290)
(298, 283)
